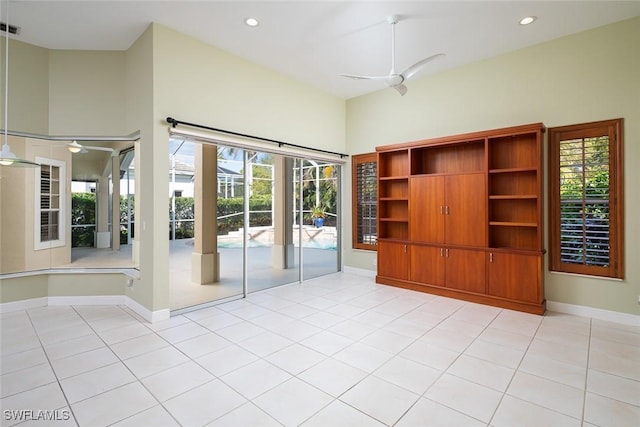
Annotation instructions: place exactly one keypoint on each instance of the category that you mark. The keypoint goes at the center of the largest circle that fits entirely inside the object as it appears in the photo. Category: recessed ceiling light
(527, 20)
(252, 22)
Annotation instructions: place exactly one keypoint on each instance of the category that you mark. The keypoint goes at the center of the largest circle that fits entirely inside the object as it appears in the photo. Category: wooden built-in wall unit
(462, 217)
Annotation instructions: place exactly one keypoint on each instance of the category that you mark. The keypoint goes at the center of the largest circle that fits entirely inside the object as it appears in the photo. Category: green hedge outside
(83, 213)
(229, 211)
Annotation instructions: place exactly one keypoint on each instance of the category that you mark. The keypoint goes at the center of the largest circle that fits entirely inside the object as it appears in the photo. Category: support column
(103, 236)
(102, 197)
(282, 251)
(205, 259)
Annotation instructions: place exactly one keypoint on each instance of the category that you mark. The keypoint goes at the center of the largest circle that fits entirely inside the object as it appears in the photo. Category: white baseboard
(145, 313)
(359, 271)
(8, 307)
(595, 313)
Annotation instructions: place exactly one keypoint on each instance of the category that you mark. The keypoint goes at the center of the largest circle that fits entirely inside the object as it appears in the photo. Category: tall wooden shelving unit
(461, 216)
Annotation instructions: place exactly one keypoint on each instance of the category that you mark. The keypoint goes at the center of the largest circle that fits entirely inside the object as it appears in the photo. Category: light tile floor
(334, 351)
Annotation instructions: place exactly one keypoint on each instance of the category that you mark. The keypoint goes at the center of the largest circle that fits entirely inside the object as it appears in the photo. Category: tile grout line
(55, 374)
(586, 374)
(515, 371)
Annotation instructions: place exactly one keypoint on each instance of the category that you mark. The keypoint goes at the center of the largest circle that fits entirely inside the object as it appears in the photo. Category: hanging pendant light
(7, 157)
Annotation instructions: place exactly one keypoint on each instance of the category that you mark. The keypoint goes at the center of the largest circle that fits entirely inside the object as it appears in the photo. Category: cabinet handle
(441, 251)
(491, 257)
(447, 252)
(441, 210)
(405, 249)
(446, 210)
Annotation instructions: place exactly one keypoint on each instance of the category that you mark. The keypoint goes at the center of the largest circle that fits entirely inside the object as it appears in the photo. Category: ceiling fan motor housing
(395, 80)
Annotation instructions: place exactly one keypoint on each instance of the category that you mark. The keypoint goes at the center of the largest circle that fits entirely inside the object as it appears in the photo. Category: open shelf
(393, 164)
(396, 209)
(393, 189)
(390, 229)
(513, 151)
(522, 182)
(513, 210)
(511, 236)
(462, 157)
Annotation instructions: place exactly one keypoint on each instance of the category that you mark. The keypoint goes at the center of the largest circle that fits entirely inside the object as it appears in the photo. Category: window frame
(356, 160)
(614, 130)
(38, 244)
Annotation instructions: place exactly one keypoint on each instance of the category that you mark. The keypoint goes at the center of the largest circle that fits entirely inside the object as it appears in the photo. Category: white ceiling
(316, 41)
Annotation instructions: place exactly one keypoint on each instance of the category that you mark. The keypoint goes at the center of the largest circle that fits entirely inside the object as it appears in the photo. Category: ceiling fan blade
(418, 65)
(107, 149)
(352, 76)
(402, 89)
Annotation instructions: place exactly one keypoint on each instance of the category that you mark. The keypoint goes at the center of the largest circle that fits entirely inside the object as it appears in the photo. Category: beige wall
(13, 221)
(17, 200)
(199, 83)
(61, 285)
(86, 284)
(87, 93)
(24, 288)
(580, 78)
(28, 87)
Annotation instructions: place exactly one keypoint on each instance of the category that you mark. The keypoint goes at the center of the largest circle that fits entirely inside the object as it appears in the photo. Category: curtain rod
(174, 123)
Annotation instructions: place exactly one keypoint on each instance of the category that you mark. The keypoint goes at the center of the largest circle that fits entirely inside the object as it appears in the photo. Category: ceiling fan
(394, 79)
(77, 148)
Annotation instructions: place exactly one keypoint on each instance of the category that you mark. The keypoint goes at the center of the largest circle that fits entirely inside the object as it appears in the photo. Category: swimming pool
(315, 238)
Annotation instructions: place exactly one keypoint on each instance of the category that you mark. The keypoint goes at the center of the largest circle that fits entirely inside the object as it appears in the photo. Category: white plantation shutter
(50, 202)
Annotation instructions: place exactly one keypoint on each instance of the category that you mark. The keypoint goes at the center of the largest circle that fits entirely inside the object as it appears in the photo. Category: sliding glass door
(206, 217)
(320, 227)
(243, 221)
(271, 235)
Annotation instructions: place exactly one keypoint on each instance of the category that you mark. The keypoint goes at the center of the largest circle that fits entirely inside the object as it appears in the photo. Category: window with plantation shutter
(586, 199)
(50, 199)
(364, 200)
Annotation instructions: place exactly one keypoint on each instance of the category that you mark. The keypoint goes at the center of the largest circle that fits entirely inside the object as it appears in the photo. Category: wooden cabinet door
(393, 260)
(427, 265)
(466, 212)
(426, 220)
(466, 270)
(515, 276)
